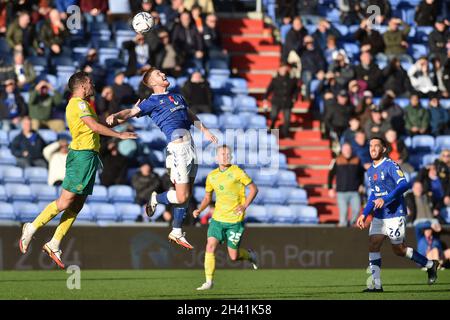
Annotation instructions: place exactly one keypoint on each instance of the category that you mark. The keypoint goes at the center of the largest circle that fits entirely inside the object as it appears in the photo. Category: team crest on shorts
(79, 187)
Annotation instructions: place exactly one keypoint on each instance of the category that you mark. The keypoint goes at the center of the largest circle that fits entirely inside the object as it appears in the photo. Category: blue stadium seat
(43, 192)
(257, 213)
(265, 179)
(104, 212)
(25, 211)
(181, 81)
(418, 50)
(231, 121)
(217, 84)
(237, 86)
(343, 30)
(48, 135)
(429, 159)
(86, 214)
(114, 64)
(351, 49)
(18, 192)
(121, 26)
(202, 173)
(423, 143)
(7, 212)
(422, 33)
(129, 211)
(282, 161)
(281, 214)
(305, 214)
(287, 178)
(257, 122)
(333, 15)
(199, 193)
(157, 158)
(37, 61)
(218, 64)
(12, 174)
(447, 215)
(295, 196)
(245, 103)
(209, 120)
(161, 171)
(223, 103)
(445, 103)
(273, 196)
(120, 193)
(402, 102)
(124, 35)
(107, 53)
(99, 194)
(3, 194)
(36, 175)
(135, 82)
(442, 142)
(6, 157)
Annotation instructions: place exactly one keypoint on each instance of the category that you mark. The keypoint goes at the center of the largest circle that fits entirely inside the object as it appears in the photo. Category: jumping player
(229, 183)
(387, 185)
(81, 166)
(171, 114)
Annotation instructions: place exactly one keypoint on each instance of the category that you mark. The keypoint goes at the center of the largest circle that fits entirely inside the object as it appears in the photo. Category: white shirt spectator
(56, 161)
(420, 78)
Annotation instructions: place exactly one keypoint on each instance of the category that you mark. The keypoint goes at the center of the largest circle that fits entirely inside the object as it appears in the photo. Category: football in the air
(142, 22)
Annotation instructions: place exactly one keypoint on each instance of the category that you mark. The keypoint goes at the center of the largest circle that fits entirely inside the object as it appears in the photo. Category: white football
(142, 22)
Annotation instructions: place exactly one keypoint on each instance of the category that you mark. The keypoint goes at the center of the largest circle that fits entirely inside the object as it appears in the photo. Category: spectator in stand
(197, 18)
(21, 36)
(419, 205)
(293, 44)
(145, 181)
(207, 6)
(24, 71)
(351, 11)
(115, 165)
(392, 113)
(396, 79)
(312, 62)
(5, 13)
(168, 60)
(187, 41)
(328, 85)
(439, 118)
(369, 39)
(360, 148)
(211, 36)
(438, 39)
(12, 106)
(446, 71)
(141, 6)
(395, 39)
(330, 49)
(338, 113)
(107, 103)
(44, 100)
(349, 135)
(369, 72)
(426, 12)
(92, 66)
(438, 77)
(362, 110)
(94, 11)
(429, 243)
(27, 147)
(434, 186)
(417, 118)
(123, 92)
(443, 169)
(397, 151)
(355, 93)
(323, 31)
(286, 8)
(53, 34)
(376, 125)
(6, 70)
(349, 180)
(308, 7)
(419, 75)
(56, 155)
(139, 53)
(284, 91)
(63, 5)
(342, 69)
(198, 94)
(174, 13)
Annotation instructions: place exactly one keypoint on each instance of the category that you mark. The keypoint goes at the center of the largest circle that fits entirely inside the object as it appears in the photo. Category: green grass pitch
(229, 284)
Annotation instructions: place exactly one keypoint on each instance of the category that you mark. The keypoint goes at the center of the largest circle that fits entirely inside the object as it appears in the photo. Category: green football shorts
(231, 232)
(81, 167)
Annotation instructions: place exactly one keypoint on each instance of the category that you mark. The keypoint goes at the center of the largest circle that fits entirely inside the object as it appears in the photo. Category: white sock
(54, 244)
(409, 252)
(429, 264)
(177, 231)
(172, 197)
(375, 270)
(31, 228)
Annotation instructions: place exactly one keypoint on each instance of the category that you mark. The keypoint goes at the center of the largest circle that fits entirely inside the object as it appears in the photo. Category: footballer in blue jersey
(387, 207)
(170, 112)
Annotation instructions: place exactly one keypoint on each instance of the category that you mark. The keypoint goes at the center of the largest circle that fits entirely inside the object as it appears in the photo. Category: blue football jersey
(169, 112)
(383, 179)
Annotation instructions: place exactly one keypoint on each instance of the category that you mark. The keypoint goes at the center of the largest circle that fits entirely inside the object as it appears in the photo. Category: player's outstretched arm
(203, 205)
(105, 131)
(122, 116)
(200, 126)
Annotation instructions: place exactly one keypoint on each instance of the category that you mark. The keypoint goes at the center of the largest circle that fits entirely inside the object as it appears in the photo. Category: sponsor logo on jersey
(400, 173)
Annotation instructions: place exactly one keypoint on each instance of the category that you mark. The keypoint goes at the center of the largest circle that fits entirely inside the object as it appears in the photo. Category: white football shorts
(181, 160)
(394, 228)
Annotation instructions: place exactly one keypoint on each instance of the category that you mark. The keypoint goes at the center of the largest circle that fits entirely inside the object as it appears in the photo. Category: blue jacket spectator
(439, 118)
(12, 106)
(360, 148)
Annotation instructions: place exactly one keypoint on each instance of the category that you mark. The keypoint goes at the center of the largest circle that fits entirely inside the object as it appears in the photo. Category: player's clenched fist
(361, 222)
(110, 120)
(196, 213)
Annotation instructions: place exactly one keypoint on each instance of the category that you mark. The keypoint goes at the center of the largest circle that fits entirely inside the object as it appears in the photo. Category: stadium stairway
(255, 56)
